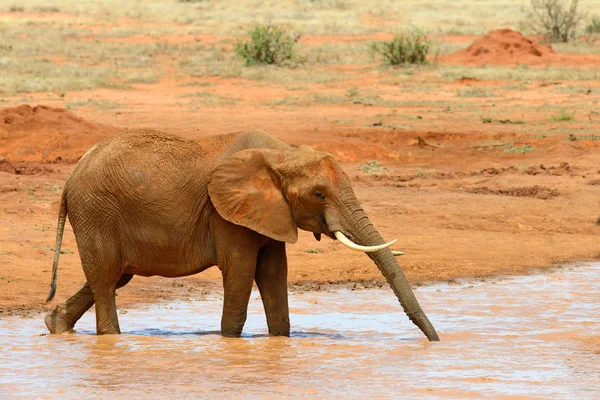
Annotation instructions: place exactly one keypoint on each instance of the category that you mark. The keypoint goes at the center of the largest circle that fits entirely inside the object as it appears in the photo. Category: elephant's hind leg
(64, 316)
(107, 321)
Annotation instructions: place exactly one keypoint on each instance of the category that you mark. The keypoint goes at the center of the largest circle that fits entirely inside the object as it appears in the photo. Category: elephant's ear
(246, 191)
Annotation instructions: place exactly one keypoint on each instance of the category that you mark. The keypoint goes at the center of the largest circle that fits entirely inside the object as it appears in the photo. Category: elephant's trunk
(363, 232)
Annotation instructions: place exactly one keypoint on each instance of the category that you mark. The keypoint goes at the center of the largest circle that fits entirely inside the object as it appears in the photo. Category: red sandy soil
(461, 205)
(46, 134)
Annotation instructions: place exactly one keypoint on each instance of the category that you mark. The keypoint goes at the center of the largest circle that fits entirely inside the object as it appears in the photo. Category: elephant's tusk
(367, 249)
(397, 253)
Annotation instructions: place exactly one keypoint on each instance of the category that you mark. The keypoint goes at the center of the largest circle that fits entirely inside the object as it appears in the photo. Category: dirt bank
(46, 134)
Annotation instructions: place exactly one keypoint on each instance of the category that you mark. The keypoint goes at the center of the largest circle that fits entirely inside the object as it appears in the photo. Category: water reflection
(535, 335)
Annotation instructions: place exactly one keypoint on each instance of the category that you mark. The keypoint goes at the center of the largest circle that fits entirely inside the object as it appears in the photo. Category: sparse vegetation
(372, 167)
(98, 104)
(314, 251)
(593, 28)
(550, 74)
(563, 116)
(555, 20)
(521, 149)
(474, 92)
(268, 44)
(404, 49)
(573, 138)
(487, 120)
(207, 98)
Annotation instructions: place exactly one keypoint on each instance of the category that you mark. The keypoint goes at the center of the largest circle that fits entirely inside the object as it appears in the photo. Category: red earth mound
(47, 134)
(502, 46)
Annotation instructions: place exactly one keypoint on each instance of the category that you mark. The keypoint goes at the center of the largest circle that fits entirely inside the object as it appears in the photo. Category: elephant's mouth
(348, 241)
(325, 232)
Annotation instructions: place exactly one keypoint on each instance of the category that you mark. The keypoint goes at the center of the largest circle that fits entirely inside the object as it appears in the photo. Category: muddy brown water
(534, 335)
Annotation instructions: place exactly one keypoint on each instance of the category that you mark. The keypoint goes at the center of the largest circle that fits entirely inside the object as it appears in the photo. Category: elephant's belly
(168, 259)
(169, 270)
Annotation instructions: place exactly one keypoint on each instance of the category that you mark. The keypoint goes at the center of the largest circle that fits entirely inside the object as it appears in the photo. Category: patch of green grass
(521, 149)
(563, 116)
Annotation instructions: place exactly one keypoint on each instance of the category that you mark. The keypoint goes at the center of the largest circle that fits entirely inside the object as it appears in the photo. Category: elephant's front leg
(271, 279)
(238, 276)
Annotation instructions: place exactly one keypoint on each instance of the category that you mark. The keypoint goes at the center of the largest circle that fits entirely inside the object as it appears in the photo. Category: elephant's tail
(62, 216)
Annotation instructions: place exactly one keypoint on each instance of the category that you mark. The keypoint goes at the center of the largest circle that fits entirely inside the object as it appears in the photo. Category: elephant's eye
(320, 195)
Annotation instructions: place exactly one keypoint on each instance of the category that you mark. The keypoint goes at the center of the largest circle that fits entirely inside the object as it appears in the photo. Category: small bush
(554, 20)
(563, 116)
(404, 49)
(593, 27)
(267, 45)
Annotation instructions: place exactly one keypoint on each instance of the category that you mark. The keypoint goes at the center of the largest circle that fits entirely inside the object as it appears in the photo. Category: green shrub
(404, 49)
(563, 116)
(267, 45)
(593, 27)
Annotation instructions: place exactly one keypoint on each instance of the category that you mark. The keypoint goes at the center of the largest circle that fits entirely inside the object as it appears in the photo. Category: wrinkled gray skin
(149, 203)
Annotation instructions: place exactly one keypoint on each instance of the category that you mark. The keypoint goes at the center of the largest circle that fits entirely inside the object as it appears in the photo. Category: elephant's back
(161, 154)
(142, 146)
(137, 167)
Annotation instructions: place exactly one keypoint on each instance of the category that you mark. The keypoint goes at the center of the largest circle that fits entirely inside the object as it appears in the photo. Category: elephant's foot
(56, 323)
(279, 332)
(231, 333)
(278, 322)
(108, 328)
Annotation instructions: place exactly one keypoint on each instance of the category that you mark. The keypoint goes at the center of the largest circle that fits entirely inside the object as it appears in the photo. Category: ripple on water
(536, 335)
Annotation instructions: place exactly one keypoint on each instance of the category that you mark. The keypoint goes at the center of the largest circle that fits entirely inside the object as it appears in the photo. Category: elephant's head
(275, 192)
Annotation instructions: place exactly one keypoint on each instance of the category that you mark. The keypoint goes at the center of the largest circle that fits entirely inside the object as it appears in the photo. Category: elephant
(146, 202)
